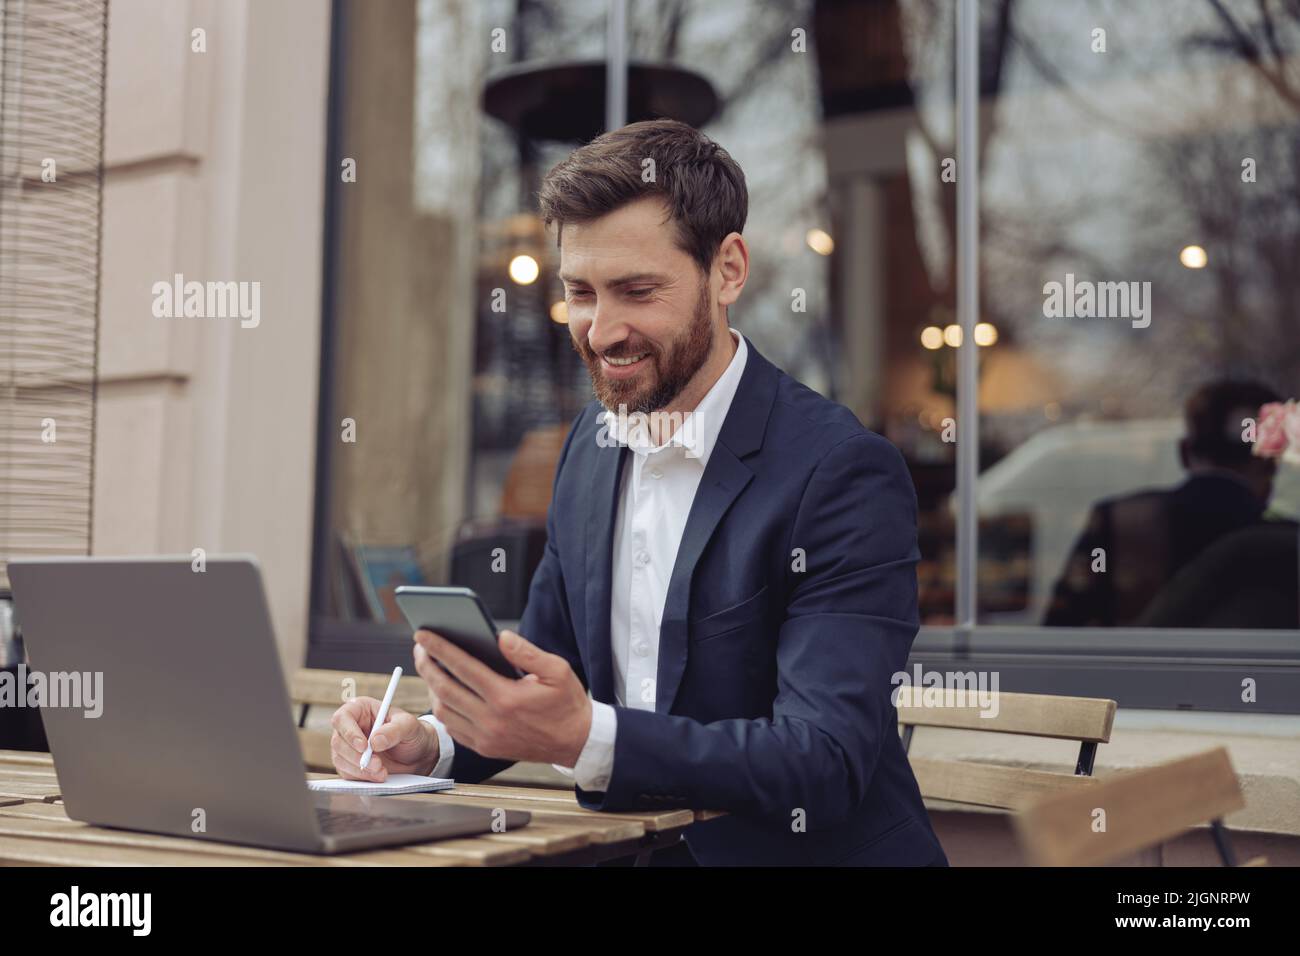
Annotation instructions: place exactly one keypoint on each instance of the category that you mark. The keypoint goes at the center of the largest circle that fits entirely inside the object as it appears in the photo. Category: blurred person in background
(1132, 547)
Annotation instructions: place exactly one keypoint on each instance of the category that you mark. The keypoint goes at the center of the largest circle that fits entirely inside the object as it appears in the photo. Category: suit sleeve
(850, 620)
(546, 623)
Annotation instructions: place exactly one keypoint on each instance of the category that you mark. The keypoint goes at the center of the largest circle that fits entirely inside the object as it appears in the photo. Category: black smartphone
(458, 615)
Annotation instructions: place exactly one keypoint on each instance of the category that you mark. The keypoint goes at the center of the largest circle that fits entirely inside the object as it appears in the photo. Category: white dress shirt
(658, 488)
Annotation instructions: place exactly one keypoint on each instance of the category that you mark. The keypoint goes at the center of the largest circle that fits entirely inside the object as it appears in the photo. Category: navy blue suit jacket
(791, 604)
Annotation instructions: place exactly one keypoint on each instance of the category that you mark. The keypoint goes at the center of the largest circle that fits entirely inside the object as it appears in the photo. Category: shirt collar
(698, 430)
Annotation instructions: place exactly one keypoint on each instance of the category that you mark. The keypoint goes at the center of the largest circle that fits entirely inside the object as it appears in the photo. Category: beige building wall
(214, 166)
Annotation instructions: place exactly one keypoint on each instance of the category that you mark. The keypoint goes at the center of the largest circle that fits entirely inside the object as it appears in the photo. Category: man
(1148, 536)
(729, 578)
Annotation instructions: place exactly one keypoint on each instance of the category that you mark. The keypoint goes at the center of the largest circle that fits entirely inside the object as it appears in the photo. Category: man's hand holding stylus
(403, 745)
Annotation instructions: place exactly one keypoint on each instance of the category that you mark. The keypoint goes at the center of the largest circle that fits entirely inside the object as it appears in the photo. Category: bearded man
(729, 580)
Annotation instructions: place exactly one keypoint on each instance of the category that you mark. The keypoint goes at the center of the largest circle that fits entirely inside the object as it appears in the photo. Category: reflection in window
(1140, 217)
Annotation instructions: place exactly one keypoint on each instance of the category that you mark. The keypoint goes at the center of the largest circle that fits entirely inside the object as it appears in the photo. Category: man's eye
(579, 294)
(639, 293)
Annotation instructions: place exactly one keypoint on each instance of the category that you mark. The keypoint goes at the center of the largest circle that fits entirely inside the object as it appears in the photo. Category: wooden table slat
(29, 791)
(188, 852)
(557, 795)
(26, 757)
(41, 851)
(599, 831)
(27, 772)
(544, 839)
(653, 820)
(35, 811)
(475, 850)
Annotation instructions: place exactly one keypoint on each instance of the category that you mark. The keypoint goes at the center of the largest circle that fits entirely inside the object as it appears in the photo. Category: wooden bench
(1086, 720)
(311, 688)
(1134, 810)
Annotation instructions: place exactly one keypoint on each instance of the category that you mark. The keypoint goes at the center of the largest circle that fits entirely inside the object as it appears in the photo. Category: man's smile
(623, 367)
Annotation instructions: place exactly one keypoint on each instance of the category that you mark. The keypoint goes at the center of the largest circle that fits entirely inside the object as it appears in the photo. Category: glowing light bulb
(524, 270)
(820, 242)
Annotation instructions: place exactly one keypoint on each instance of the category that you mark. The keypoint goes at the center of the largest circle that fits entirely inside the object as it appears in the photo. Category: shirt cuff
(596, 761)
(446, 746)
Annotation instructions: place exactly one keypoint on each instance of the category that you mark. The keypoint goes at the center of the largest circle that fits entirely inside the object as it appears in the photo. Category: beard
(674, 366)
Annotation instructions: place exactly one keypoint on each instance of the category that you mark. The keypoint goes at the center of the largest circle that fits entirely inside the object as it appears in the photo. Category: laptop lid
(166, 708)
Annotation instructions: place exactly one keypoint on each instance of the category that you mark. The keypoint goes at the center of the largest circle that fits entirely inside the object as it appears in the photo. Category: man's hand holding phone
(544, 716)
(403, 745)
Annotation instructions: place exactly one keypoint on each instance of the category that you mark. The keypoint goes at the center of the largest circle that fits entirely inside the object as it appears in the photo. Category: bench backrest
(1087, 720)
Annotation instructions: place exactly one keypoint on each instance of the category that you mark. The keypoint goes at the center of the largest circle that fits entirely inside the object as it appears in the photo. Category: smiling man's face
(641, 313)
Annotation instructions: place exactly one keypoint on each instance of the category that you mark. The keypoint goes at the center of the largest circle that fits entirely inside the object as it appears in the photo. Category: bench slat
(990, 785)
(1037, 715)
(326, 688)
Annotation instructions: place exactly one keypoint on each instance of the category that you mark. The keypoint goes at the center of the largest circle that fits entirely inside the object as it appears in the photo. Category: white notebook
(396, 783)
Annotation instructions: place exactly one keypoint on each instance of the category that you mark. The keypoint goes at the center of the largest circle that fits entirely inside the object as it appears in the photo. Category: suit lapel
(724, 478)
(600, 567)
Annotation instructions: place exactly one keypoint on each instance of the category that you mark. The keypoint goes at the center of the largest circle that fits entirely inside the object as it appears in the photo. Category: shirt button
(656, 473)
(642, 558)
(641, 649)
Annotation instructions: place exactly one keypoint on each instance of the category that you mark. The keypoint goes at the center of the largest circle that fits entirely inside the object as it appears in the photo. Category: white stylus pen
(382, 715)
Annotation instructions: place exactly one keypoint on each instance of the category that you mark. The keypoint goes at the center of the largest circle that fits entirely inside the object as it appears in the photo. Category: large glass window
(1112, 150)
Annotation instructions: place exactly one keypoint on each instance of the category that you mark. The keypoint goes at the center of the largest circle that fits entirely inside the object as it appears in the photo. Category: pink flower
(1277, 433)
(1292, 455)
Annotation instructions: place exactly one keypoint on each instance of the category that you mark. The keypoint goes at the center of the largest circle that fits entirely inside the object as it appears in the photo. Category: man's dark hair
(1214, 414)
(701, 185)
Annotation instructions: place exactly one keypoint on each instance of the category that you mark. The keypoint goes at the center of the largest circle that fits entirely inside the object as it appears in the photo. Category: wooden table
(35, 830)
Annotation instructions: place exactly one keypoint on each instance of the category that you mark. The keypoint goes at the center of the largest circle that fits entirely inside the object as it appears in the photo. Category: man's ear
(732, 265)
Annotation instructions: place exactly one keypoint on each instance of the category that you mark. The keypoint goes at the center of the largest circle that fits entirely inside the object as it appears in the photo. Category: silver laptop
(194, 735)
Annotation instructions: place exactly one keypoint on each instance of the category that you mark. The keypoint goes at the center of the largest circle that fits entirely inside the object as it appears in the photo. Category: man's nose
(607, 327)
